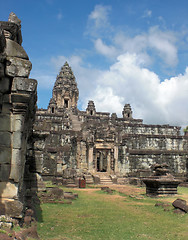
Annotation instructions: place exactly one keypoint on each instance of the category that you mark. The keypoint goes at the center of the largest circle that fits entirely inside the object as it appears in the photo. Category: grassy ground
(96, 215)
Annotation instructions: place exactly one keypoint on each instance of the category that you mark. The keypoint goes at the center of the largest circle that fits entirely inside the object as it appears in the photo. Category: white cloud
(98, 21)
(100, 15)
(150, 44)
(128, 82)
(102, 48)
(164, 44)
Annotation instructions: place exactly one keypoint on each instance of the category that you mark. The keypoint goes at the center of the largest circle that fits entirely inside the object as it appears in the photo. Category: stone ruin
(102, 148)
(64, 144)
(18, 96)
(162, 182)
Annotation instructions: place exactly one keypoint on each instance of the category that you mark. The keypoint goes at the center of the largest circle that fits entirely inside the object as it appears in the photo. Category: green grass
(96, 216)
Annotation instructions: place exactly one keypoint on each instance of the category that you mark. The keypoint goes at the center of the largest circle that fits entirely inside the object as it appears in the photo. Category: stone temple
(70, 143)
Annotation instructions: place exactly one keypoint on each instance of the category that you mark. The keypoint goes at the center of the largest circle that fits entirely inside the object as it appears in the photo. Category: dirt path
(131, 190)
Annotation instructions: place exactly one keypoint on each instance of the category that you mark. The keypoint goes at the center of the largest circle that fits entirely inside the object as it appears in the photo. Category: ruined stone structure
(161, 181)
(17, 112)
(71, 143)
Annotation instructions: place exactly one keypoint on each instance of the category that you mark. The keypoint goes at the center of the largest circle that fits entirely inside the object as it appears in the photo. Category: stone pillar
(90, 159)
(116, 159)
(109, 162)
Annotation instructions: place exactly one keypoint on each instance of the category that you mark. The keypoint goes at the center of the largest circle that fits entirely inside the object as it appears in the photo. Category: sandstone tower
(65, 91)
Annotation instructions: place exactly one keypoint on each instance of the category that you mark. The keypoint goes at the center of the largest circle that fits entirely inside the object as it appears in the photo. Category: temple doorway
(101, 161)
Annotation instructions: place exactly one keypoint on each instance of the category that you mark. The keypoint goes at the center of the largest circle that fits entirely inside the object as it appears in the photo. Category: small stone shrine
(162, 182)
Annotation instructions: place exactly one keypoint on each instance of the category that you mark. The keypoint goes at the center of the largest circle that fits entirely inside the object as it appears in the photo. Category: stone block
(16, 172)
(14, 208)
(8, 190)
(17, 123)
(17, 140)
(4, 172)
(5, 122)
(4, 85)
(5, 139)
(16, 156)
(5, 155)
(6, 107)
(181, 204)
(24, 84)
(20, 98)
(13, 49)
(17, 67)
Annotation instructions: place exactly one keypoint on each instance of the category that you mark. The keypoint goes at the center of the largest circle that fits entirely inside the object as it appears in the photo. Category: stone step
(89, 179)
(106, 180)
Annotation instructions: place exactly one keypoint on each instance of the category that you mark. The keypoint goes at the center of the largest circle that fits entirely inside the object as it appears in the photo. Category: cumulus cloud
(127, 81)
(151, 45)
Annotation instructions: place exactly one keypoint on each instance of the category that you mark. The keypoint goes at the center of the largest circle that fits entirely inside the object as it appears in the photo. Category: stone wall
(18, 95)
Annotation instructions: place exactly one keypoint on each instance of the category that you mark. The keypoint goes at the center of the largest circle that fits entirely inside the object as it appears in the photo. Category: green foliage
(96, 215)
(185, 129)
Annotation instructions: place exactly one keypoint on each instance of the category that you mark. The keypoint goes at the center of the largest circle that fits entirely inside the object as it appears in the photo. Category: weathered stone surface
(14, 208)
(4, 85)
(5, 139)
(13, 49)
(17, 111)
(4, 172)
(17, 123)
(5, 155)
(5, 123)
(2, 70)
(17, 67)
(22, 84)
(8, 190)
(2, 41)
(14, 19)
(17, 140)
(180, 204)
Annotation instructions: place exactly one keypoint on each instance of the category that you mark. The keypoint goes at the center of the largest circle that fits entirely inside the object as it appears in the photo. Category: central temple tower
(65, 91)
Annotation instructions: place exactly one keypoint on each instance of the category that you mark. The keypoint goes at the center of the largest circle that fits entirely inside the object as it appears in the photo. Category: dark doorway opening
(66, 103)
(101, 161)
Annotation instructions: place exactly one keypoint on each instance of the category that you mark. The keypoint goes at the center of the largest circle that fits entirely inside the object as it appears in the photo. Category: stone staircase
(89, 179)
(105, 179)
(76, 124)
(71, 184)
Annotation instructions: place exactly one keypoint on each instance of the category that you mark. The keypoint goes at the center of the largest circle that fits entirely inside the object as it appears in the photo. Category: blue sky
(121, 51)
